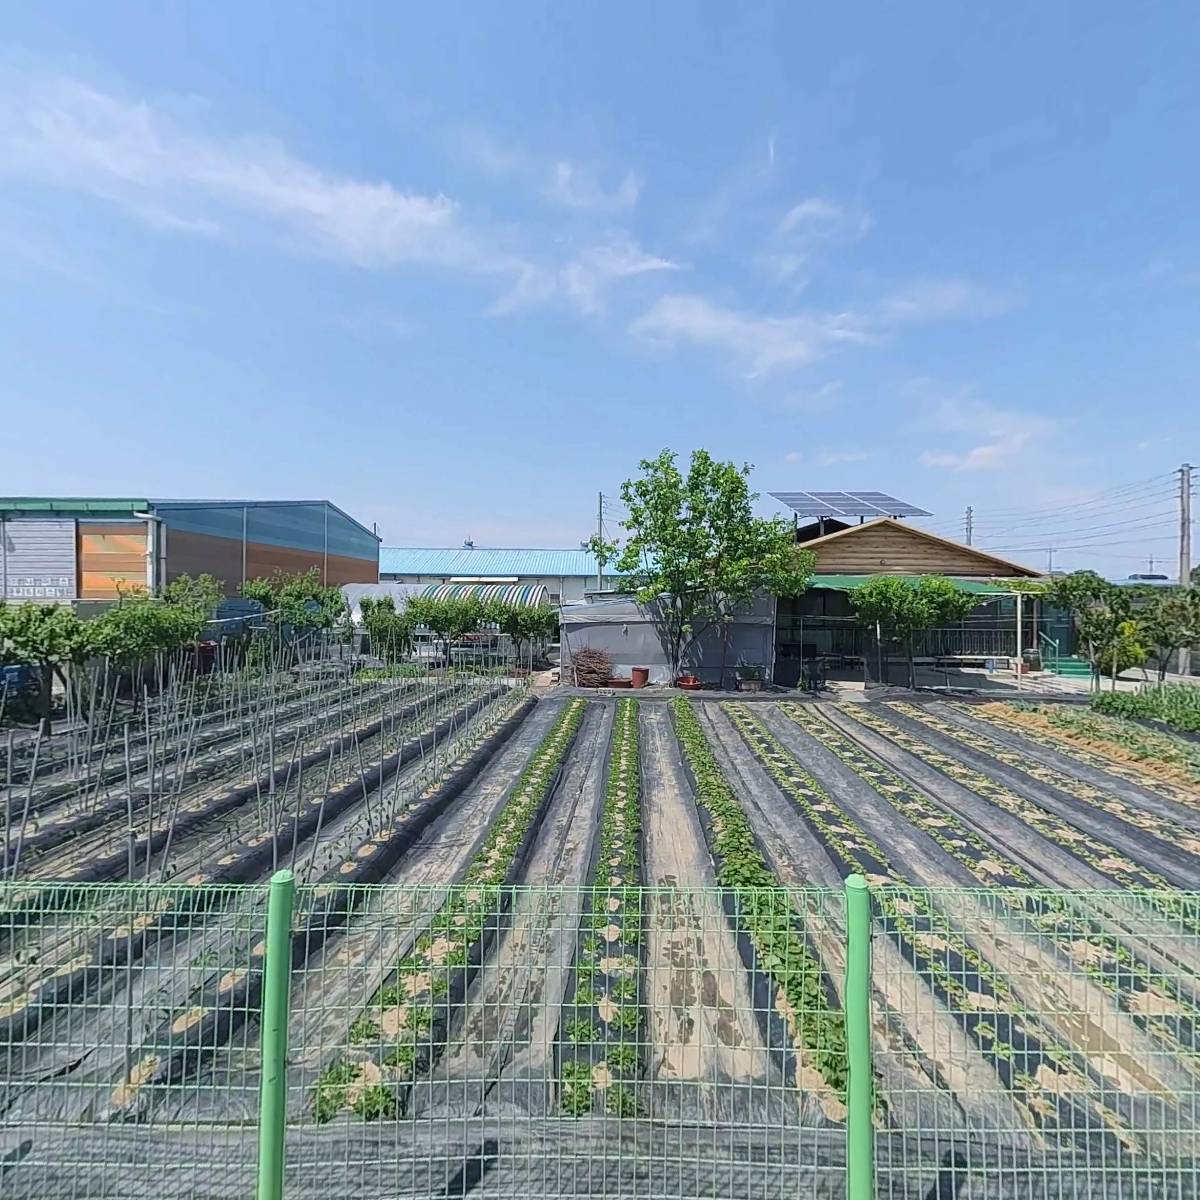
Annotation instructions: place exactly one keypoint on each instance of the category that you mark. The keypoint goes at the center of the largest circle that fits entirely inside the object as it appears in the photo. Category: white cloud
(932, 299)
(1004, 435)
(584, 279)
(574, 186)
(831, 458)
(128, 153)
(761, 344)
(793, 456)
(809, 227)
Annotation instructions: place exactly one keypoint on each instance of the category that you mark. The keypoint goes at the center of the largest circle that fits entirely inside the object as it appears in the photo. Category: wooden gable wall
(887, 549)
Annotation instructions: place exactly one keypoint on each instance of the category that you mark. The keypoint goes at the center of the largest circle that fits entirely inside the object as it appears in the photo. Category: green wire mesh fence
(603, 1041)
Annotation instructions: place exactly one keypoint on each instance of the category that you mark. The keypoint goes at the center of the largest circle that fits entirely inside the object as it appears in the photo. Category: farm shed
(626, 630)
(567, 575)
(75, 548)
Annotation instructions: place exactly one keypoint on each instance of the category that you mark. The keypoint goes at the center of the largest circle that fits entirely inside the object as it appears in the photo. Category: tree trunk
(45, 693)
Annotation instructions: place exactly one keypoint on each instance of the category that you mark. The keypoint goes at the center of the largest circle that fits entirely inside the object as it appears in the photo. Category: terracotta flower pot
(690, 683)
(639, 676)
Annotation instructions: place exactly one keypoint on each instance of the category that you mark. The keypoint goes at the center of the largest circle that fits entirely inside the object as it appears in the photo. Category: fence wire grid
(603, 1041)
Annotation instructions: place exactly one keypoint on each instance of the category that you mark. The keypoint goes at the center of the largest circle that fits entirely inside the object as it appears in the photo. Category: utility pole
(969, 524)
(599, 538)
(1185, 549)
(1049, 560)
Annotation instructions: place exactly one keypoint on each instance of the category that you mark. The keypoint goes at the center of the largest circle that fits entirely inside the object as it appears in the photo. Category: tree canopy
(695, 552)
(904, 608)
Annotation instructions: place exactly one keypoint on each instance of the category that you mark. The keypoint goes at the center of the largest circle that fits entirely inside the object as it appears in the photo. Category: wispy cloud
(761, 344)
(831, 458)
(133, 155)
(574, 186)
(1000, 436)
(807, 229)
(932, 299)
(586, 277)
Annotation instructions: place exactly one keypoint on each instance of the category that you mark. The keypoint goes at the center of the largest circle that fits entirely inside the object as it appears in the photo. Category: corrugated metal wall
(37, 559)
(112, 558)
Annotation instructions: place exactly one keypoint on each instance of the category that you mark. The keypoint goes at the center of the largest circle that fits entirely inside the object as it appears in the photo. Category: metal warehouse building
(87, 549)
(565, 574)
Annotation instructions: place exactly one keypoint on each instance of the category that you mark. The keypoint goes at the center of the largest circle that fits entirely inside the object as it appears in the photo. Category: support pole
(860, 1136)
(1020, 631)
(272, 1108)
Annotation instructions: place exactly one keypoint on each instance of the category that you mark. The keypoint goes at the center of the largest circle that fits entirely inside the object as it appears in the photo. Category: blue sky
(458, 267)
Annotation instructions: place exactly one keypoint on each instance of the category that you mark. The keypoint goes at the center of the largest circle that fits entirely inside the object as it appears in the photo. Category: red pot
(689, 683)
(639, 676)
(619, 683)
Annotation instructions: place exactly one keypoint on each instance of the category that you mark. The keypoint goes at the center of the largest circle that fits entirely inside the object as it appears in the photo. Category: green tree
(298, 600)
(533, 625)
(902, 609)
(1168, 623)
(449, 620)
(390, 631)
(695, 553)
(47, 637)
(1101, 611)
(203, 592)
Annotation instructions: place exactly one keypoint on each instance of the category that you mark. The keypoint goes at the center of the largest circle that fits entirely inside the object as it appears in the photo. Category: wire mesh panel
(115, 1002)
(1038, 1042)
(576, 1042)
(607, 1040)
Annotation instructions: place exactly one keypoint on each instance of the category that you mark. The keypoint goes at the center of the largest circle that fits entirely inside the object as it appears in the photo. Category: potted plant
(750, 677)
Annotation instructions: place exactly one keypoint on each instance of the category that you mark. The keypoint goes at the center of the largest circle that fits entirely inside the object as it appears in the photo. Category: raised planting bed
(86, 969)
(601, 1039)
(1100, 855)
(772, 946)
(401, 1032)
(1141, 756)
(1049, 1081)
(1152, 1000)
(214, 1013)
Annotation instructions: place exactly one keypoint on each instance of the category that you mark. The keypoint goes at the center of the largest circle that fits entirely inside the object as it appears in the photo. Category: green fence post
(860, 1137)
(277, 970)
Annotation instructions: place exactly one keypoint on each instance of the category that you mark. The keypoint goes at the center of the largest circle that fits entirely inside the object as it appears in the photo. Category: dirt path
(707, 1056)
(503, 1054)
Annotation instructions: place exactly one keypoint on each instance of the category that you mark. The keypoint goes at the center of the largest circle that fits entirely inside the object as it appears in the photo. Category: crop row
(599, 1041)
(1087, 793)
(1039, 1071)
(1099, 854)
(211, 1014)
(1154, 1001)
(814, 1021)
(1141, 756)
(406, 1023)
(242, 862)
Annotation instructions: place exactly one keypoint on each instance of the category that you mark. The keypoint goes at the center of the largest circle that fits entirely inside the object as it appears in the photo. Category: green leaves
(299, 600)
(763, 909)
(695, 550)
(905, 607)
(33, 634)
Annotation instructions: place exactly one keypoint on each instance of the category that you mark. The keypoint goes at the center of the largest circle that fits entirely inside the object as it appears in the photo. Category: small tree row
(451, 620)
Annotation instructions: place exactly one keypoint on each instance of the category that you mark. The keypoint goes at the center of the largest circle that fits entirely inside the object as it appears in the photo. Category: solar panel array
(848, 504)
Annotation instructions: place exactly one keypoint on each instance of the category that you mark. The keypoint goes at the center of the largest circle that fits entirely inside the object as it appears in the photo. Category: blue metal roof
(486, 562)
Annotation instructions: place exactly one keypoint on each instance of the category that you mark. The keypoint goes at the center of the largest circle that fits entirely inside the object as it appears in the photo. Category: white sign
(39, 587)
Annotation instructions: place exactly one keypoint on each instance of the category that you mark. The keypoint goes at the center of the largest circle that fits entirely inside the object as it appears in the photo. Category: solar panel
(848, 504)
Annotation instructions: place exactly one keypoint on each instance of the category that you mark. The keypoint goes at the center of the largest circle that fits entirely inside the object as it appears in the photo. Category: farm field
(608, 954)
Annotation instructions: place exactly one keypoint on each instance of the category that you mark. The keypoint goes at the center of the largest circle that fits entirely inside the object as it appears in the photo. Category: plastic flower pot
(639, 676)
(620, 683)
(689, 683)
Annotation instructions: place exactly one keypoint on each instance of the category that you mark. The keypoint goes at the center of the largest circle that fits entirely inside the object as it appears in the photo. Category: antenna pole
(969, 524)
